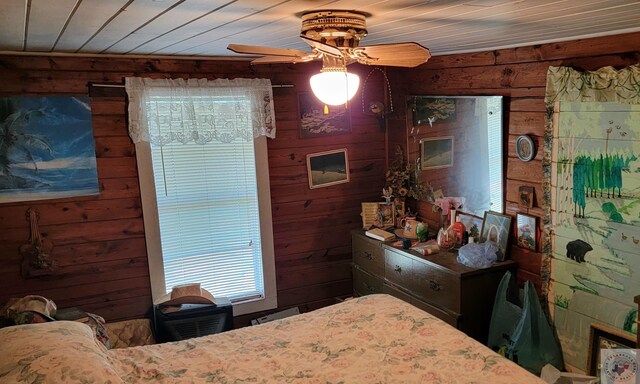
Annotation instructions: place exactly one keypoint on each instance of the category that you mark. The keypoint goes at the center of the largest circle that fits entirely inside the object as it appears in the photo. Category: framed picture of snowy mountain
(46, 148)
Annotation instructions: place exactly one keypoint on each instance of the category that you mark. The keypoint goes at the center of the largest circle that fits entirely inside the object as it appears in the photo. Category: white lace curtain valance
(604, 85)
(163, 111)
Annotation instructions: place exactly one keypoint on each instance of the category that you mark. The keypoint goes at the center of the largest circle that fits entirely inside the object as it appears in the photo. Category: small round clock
(525, 148)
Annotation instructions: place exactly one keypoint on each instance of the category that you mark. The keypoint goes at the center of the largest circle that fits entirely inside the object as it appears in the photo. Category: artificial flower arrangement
(403, 179)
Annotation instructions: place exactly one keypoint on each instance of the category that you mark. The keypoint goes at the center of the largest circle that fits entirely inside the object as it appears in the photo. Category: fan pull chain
(386, 79)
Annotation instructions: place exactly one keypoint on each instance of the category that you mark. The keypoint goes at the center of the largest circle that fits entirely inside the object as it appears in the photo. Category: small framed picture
(385, 215)
(328, 168)
(369, 212)
(525, 148)
(472, 224)
(601, 337)
(526, 197)
(526, 236)
(436, 152)
(496, 227)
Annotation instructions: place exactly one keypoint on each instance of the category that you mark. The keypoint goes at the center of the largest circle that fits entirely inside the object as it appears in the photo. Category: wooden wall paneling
(99, 241)
(587, 48)
(300, 275)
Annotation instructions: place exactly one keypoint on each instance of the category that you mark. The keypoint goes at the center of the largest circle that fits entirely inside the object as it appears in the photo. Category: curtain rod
(122, 85)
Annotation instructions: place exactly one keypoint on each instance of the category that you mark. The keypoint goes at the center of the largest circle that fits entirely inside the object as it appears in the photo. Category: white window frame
(152, 228)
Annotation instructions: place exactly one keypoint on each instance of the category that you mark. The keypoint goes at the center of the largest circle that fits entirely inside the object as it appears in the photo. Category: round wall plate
(525, 148)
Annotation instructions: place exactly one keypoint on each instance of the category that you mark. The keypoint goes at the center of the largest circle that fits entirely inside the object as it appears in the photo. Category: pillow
(55, 352)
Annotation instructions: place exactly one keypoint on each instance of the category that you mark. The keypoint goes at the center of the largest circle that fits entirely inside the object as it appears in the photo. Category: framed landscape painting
(472, 224)
(436, 152)
(328, 168)
(314, 122)
(48, 150)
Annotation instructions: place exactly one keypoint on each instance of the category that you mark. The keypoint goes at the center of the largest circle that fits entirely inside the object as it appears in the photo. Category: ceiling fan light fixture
(334, 87)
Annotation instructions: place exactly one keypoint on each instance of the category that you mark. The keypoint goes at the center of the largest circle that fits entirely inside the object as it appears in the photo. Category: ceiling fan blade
(284, 59)
(266, 51)
(321, 47)
(395, 55)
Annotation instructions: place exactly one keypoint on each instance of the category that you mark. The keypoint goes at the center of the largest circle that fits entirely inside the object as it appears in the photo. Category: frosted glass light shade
(334, 88)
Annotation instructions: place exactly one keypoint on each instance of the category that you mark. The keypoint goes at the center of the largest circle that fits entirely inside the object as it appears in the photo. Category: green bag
(521, 333)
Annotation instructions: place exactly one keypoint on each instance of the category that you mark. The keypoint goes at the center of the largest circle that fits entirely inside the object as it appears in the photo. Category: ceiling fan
(334, 37)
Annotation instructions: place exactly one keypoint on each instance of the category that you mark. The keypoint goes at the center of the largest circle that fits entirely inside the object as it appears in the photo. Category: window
(205, 186)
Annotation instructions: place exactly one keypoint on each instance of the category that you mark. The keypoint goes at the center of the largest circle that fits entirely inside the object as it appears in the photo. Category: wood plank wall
(519, 75)
(99, 243)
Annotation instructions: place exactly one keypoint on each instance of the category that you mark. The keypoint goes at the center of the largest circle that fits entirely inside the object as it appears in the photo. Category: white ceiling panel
(206, 27)
(178, 17)
(12, 24)
(88, 19)
(132, 19)
(47, 20)
(224, 18)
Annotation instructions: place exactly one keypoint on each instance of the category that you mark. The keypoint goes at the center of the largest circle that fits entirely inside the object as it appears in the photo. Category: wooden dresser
(438, 284)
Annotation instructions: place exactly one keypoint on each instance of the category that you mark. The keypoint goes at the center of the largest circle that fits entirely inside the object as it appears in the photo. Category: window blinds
(495, 148)
(208, 213)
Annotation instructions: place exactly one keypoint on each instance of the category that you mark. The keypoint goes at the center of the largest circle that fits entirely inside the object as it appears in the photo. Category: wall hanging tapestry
(46, 148)
(592, 197)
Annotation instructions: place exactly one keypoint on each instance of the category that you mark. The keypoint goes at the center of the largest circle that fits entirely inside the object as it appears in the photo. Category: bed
(371, 339)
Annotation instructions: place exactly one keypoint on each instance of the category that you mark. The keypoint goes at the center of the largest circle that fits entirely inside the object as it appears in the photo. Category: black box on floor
(174, 323)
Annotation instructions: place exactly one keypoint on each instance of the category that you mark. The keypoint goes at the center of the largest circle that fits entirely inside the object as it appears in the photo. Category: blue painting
(46, 148)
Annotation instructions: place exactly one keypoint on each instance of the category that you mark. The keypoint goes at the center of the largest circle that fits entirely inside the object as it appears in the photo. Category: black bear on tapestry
(576, 250)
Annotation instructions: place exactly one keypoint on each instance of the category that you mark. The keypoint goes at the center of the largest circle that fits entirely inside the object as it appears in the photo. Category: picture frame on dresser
(603, 337)
(472, 223)
(496, 227)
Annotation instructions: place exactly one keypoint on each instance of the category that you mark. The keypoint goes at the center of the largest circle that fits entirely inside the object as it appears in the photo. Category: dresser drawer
(436, 286)
(368, 254)
(393, 291)
(398, 269)
(364, 283)
(447, 317)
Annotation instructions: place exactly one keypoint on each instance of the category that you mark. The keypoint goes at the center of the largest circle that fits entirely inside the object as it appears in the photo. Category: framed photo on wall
(328, 168)
(436, 152)
(496, 227)
(526, 232)
(314, 122)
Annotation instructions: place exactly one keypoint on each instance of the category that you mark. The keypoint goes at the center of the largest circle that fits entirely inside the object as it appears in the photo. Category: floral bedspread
(372, 339)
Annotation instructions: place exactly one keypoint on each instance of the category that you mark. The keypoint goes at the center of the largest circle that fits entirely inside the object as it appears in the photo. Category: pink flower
(426, 331)
(430, 377)
(405, 352)
(503, 370)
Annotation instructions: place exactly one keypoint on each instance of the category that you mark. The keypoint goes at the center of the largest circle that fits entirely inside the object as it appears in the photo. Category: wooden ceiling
(206, 27)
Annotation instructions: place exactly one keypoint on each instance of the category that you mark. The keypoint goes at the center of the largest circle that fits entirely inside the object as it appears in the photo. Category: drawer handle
(398, 269)
(368, 255)
(434, 285)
